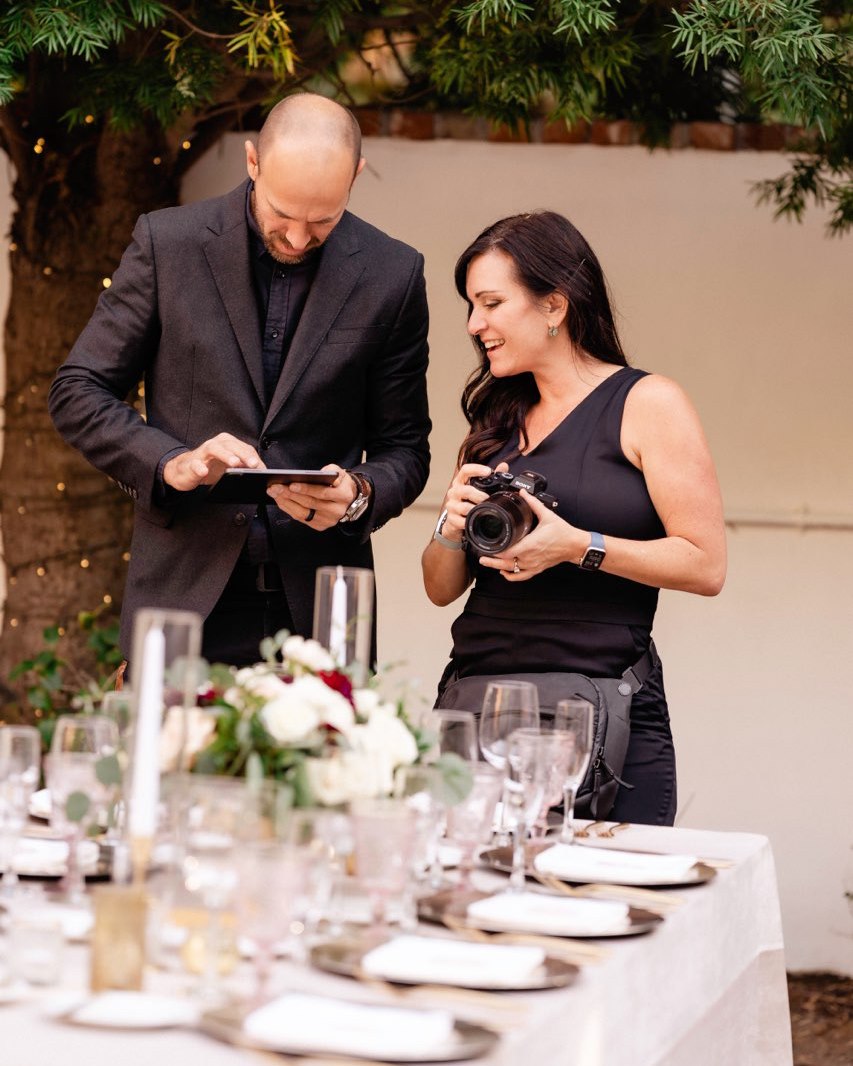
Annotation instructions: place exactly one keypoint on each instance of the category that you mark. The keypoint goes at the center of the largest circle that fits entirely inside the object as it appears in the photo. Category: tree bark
(65, 527)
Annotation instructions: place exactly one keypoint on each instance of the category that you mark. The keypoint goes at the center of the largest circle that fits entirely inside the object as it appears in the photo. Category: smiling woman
(622, 451)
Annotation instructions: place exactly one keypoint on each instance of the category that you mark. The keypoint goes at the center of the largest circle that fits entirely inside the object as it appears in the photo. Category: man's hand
(317, 506)
(206, 464)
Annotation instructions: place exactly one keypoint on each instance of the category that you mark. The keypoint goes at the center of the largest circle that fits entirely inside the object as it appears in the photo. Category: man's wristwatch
(594, 555)
(362, 498)
(446, 542)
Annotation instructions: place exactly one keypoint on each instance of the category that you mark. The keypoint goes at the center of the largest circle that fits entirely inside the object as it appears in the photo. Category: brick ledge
(713, 136)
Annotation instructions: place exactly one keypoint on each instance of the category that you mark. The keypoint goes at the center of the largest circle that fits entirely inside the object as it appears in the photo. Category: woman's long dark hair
(549, 255)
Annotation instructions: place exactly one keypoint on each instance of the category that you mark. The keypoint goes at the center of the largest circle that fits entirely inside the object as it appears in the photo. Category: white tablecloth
(706, 988)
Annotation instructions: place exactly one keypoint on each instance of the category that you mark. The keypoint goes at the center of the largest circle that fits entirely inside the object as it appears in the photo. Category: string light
(156, 160)
(13, 622)
(89, 119)
(107, 282)
(40, 571)
(186, 145)
(84, 564)
(47, 271)
(60, 630)
(13, 246)
(60, 486)
(108, 599)
(22, 510)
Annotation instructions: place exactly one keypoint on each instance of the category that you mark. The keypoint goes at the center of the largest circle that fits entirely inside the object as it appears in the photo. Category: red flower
(338, 682)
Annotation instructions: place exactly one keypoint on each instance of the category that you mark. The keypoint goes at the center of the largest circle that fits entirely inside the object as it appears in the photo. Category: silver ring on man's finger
(516, 569)
(310, 516)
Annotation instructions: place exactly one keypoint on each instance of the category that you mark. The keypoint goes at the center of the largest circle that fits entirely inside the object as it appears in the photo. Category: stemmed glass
(79, 788)
(507, 706)
(469, 822)
(560, 744)
(383, 830)
(419, 787)
(525, 789)
(20, 761)
(271, 877)
(117, 705)
(574, 716)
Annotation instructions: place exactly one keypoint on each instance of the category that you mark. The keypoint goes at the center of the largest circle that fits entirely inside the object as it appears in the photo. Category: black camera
(501, 521)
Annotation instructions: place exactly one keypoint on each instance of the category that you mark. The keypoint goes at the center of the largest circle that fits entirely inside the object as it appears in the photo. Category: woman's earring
(553, 331)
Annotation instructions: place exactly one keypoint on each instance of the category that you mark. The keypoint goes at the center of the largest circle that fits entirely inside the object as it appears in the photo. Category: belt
(268, 578)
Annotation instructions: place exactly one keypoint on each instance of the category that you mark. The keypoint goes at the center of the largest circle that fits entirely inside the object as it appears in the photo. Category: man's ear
(252, 166)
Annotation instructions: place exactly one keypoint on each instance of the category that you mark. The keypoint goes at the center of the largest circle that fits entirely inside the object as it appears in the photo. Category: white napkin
(532, 912)
(134, 1010)
(576, 863)
(297, 1022)
(76, 922)
(39, 805)
(37, 857)
(421, 958)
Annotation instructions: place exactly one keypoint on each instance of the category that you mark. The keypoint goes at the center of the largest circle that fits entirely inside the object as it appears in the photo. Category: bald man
(272, 328)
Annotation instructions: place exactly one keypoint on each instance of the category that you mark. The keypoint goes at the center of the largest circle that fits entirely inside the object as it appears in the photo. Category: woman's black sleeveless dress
(583, 620)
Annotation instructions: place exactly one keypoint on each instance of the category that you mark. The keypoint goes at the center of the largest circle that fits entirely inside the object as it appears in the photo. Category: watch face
(592, 558)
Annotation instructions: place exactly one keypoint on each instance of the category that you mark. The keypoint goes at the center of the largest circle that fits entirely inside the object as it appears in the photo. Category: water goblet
(80, 792)
(528, 770)
(574, 716)
(420, 788)
(271, 877)
(20, 762)
(117, 705)
(560, 762)
(469, 822)
(383, 836)
(456, 733)
(507, 706)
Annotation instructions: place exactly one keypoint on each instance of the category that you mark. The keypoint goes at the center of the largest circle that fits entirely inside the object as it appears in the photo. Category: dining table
(704, 986)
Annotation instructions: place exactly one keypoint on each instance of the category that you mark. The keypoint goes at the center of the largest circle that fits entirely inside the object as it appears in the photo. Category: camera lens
(497, 523)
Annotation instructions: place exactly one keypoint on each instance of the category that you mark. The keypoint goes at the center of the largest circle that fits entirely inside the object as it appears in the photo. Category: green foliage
(56, 686)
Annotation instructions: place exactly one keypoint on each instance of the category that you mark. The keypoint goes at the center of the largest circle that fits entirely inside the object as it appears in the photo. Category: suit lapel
(339, 270)
(227, 253)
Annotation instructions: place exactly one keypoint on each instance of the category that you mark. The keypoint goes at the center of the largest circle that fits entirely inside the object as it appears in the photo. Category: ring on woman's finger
(310, 516)
(516, 569)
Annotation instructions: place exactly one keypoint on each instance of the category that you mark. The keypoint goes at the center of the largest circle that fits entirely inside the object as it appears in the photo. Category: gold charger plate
(501, 859)
(451, 908)
(344, 957)
(468, 1041)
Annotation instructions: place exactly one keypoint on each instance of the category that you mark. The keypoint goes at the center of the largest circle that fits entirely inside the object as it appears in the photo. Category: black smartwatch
(594, 555)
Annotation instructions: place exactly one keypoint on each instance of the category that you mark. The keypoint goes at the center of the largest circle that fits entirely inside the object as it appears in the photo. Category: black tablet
(241, 485)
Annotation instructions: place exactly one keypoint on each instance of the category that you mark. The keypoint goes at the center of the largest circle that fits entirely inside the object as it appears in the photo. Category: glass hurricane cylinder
(343, 617)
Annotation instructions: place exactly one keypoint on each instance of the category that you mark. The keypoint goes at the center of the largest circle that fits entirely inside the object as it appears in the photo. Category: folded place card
(297, 1022)
(532, 912)
(574, 862)
(420, 958)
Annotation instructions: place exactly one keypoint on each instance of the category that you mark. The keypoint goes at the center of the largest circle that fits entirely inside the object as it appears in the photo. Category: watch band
(595, 554)
(362, 497)
(446, 542)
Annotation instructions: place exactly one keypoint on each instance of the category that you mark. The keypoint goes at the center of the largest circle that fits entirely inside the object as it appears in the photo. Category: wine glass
(420, 788)
(117, 705)
(469, 822)
(20, 761)
(574, 716)
(507, 706)
(383, 836)
(271, 877)
(78, 786)
(560, 759)
(528, 770)
(456, 733)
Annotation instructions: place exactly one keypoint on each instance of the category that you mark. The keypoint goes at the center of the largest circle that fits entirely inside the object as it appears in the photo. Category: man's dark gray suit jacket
(182, 314)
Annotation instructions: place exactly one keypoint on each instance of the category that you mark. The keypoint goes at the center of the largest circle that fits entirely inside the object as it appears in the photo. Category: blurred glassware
(456, 733)
(575, 716)
(118, 706)
(528, 771)
(383, 833)
(81, 783)
(507, 706)
(470, 822)
(560, 760)
(420, 788)
(20, 766)
(324, 836)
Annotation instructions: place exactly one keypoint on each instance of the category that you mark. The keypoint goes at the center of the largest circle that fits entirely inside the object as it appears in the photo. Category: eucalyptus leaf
(108, 770)
(77, 806)
(456, 778)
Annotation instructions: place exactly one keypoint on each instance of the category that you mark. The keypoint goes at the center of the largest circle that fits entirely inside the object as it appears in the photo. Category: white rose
(309, 654)
(190, 730)
(341, 778)
(289, 720)
(366, 701)
(385, 741)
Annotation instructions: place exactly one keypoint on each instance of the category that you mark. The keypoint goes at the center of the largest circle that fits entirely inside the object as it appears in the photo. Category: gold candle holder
(118, 937)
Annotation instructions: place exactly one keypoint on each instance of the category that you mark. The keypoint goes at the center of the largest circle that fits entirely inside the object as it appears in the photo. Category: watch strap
(446, 542)
(595, 553)
(362, 497)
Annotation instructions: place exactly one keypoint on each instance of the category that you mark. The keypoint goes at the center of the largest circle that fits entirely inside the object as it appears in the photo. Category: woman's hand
(462, 496)
(551, 541)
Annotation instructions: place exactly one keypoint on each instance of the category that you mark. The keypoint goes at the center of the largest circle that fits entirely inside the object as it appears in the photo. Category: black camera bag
(611, 701)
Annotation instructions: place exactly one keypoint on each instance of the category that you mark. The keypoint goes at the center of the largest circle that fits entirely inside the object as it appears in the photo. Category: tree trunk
(65, 527)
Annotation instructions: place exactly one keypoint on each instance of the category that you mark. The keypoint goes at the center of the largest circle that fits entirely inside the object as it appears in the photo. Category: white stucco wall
(754, 319)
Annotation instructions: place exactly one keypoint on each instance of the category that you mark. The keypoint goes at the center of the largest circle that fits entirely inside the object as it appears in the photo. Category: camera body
(497, 523)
